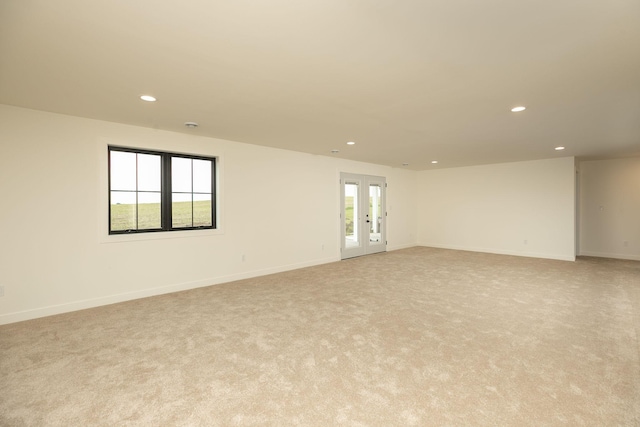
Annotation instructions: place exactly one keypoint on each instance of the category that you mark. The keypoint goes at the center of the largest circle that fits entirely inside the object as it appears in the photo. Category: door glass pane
(351, 222)
(375, 213)
(181, 210)
(149, 211)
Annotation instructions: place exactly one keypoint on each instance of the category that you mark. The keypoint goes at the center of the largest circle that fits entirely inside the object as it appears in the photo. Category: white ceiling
(408, 81)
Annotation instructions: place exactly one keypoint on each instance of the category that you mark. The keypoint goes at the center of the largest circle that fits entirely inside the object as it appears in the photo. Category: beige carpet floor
(416, 337)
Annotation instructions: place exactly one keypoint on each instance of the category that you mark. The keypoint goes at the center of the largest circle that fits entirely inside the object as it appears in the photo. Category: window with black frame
(153, 191)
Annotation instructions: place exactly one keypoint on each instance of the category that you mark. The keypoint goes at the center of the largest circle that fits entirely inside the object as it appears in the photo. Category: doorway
(363, 215)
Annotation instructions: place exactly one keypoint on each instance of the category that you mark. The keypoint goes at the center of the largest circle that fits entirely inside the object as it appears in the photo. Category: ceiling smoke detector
(191, 124)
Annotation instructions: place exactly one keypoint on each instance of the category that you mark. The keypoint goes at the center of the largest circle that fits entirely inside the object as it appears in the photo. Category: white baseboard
(629, 257)
(128, 296)
(398, 247)
(502, 252)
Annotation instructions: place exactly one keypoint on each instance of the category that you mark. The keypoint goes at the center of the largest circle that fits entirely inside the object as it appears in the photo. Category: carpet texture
(416, 337)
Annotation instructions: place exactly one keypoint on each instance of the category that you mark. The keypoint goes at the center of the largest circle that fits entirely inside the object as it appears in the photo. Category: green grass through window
(123, 216)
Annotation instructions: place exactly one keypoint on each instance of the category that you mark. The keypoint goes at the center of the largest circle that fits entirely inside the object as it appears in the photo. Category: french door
(363, 215)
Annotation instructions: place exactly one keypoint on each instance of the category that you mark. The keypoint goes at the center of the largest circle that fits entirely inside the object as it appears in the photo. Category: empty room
(319, 213)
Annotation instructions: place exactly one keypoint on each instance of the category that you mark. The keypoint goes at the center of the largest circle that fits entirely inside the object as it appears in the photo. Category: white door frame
(364, 237)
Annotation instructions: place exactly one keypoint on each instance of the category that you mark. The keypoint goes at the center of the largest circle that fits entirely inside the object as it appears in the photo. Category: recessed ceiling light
(434, 161)
(351, 143)
(148, 98)
(517, 109)
(405, 164)
(559, 148)
(334, 151)
(191, 124)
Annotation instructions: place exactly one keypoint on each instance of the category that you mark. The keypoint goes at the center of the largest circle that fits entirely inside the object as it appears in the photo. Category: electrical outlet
(243, 258)
(626, 244)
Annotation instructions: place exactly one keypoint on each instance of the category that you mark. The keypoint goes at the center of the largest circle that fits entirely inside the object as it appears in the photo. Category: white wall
(610, 208)
(279, 209)
(523, 208)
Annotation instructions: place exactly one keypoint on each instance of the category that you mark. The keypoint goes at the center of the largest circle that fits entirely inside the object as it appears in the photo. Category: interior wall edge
(399, 247)
(558, 257)
(610, 255)
(69, 307)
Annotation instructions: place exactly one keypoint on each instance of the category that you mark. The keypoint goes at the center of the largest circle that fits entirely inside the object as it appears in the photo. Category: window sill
(159, 235)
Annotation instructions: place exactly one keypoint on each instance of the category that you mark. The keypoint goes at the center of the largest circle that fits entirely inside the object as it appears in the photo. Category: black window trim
(165, 190)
